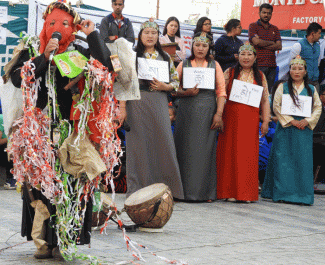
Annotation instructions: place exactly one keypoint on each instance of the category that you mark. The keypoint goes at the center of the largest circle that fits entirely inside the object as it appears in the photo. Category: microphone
(55, 35)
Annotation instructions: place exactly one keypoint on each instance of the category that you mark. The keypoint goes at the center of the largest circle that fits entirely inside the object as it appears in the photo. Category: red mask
(62, 22)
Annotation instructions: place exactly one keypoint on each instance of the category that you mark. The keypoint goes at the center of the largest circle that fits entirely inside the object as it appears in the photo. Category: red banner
(287, 14)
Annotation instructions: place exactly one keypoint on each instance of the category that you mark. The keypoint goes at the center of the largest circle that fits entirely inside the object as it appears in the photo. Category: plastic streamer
(38, 164)
(30, 147)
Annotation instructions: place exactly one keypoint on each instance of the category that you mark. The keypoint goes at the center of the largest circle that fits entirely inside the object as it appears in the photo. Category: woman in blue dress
(289, 174)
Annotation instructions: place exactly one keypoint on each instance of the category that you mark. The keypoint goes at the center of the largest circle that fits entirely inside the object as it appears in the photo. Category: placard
(289, 108)
(149, 69)
(204, 77)
(3, 14)
(246, 93)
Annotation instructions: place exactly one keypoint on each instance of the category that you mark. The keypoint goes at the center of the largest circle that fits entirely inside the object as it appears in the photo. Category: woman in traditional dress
(151, 155)
(197, 119)
(171, 34)
(237, 151)
(226, 47)
(289, 174)
(204, 25)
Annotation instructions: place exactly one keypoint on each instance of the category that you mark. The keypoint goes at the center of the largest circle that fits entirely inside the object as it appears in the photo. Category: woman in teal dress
(289, 174)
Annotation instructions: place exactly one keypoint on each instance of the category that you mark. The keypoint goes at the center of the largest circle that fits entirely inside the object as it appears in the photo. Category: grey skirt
(150, 148)
(196, 145)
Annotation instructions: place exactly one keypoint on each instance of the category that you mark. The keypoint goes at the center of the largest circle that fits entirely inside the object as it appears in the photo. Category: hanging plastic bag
(12, 104)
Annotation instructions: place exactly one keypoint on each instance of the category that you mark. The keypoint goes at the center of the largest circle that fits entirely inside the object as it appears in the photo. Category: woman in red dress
(237, 150)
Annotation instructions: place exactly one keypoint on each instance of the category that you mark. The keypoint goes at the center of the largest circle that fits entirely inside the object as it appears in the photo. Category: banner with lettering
(287, 14)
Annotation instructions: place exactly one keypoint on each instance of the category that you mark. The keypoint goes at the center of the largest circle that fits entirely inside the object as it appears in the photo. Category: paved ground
(198, 233)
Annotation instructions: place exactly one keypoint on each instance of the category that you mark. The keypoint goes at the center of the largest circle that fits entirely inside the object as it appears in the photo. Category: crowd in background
(212, 151)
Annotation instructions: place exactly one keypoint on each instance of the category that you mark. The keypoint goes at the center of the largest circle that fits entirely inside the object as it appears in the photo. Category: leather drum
(150, 207)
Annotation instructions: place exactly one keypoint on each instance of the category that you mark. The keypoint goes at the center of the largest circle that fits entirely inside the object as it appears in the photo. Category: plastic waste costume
(48, 190)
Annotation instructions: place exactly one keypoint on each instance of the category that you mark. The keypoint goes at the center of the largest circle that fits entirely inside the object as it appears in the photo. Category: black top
(172, 39)
(97, 49)
(225, 47)
(320, 127)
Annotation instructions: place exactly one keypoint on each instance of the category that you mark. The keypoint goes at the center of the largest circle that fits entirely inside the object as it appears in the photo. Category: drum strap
(132, 228)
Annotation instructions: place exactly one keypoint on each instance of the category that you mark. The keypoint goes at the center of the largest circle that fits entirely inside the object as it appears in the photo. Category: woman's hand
(264, 128)
(302, 124)
(52, 45)
(217, 123)
(87, 26)
(294, 123)
(123, 115)
(156, 85)
(192, 92)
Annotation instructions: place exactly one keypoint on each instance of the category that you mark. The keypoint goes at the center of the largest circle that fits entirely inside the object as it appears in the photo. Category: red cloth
(59, 16)
(238, 151)
(95, 133)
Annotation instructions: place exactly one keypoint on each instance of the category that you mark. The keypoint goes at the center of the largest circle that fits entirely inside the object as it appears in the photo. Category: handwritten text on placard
(149, 69)
(203, 77)
(302, 110)
(246, 93)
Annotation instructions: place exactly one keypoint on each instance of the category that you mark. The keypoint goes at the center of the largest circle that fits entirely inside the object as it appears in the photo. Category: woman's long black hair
(140, 49)
(231, 24)
(198, 34)
(178, 33)
(257, 73)
(289, 80)
(199, 24)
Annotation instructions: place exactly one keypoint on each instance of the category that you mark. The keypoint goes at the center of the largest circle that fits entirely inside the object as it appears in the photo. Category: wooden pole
(157, 13)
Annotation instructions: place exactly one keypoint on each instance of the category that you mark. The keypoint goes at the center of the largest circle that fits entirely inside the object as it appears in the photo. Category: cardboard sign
(204, 77)
(289, 108)
(246, 93)
(149, 69)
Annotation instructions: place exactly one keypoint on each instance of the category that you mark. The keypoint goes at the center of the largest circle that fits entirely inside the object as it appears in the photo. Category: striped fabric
(265, 57)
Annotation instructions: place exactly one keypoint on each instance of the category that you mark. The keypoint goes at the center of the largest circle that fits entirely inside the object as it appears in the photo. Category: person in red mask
(59, 17)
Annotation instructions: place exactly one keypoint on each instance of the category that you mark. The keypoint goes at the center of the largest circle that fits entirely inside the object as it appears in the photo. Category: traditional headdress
(62, 4)
(247, 47)
(150, 24)
(298, 60)
(203, 37)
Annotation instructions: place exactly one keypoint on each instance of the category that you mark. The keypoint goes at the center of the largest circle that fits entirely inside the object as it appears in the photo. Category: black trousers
(270, 74)
(318, 156)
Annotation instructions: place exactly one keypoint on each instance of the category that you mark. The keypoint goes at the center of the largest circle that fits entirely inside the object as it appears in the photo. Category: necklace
(247, 73)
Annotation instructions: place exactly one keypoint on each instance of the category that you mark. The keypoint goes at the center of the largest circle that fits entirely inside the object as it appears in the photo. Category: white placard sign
(3, 15)
(3, 36)
(246, 93)
(149, 69)
(204, 77)
(289, 108)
